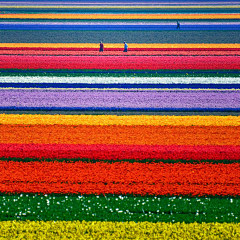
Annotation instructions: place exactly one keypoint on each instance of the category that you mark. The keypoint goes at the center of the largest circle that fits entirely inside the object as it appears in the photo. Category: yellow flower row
(117, 230)
(119, 120)
(122, 16)
(119, 45)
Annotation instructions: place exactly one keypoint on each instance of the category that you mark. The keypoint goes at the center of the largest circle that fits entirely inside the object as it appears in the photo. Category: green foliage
(88, 160)
(119, 208)
(119, 73)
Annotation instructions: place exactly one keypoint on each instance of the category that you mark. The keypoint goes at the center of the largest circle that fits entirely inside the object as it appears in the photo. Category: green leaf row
(89, 160)
(120, 73)
(119, 208)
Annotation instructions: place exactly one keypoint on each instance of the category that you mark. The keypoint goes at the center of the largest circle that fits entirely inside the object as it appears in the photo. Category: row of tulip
(116, 26)
(117, 230)
(212, 16)
(167, 189)
(119, 208)
(117, 81)
(115, 153)
(119, 52)
(114, 85)
(138, 173)
(136, 46)
(120, 99)
(120, 73)
(115, 5)
(136, 120)
(118, 23)
(92, 189)
(120, 135)
(120, 62)
(120, 178)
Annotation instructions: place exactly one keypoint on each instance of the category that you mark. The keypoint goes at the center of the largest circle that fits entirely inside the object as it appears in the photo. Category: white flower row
(132, 80)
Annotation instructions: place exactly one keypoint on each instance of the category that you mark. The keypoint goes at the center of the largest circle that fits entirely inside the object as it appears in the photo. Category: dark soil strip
(121, 113)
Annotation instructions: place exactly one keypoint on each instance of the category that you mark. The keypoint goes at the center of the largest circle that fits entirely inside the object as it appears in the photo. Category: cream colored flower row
(119, 45)
(117, 230)
(33, 119)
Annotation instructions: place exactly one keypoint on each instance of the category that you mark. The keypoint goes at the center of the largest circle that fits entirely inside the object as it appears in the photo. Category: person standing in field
(178, 25)
(101, 47)
(125, 47)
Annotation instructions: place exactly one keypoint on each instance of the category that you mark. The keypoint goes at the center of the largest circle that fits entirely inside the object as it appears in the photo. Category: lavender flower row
(119, 99)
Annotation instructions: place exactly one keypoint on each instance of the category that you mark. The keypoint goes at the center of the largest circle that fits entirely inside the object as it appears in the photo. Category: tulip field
(143, 144)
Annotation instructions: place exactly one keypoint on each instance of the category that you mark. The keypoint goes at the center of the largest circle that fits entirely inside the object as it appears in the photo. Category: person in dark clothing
(101, 47)
(125, 47)
(178, 25)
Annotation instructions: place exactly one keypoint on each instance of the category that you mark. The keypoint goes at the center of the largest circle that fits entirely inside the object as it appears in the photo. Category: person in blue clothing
(101, 47)
(125, 47)
(178, 25)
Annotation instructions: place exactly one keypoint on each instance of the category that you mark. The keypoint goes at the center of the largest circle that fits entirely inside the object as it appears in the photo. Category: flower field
(143, 144)
(112, 62)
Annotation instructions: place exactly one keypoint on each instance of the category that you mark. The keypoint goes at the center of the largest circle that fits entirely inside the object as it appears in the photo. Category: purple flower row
(119, 98)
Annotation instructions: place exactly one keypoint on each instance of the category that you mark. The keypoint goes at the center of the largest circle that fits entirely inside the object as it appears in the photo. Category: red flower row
(119, 52)
(120, 178)
(120, 62)
(174, 189)
(114, 152)
(119, 49)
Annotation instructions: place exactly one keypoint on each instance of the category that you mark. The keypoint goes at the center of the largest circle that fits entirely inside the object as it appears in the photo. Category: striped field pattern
(143, 144)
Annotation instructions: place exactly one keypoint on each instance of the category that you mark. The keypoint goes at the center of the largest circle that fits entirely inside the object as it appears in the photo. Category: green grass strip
(88, 160)
(119, 208)
(120, 73)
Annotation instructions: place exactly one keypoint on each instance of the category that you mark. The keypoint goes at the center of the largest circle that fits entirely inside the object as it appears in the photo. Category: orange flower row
(126, 135)
(120, 172)
(121, 178)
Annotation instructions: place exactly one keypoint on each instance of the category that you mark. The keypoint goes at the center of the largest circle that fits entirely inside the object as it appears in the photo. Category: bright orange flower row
(120, 172)
(121, 178)
(126, 135)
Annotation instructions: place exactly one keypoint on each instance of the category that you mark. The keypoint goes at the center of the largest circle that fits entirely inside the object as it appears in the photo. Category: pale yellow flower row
(153, 120)
(117, 230)
(122, 16)
(119, 45)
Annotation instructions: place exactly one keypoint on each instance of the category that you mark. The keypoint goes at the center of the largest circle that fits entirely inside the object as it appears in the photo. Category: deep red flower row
(121, 178)
(120, 62)
(119, 52)
(114, 152)
(118, 49)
